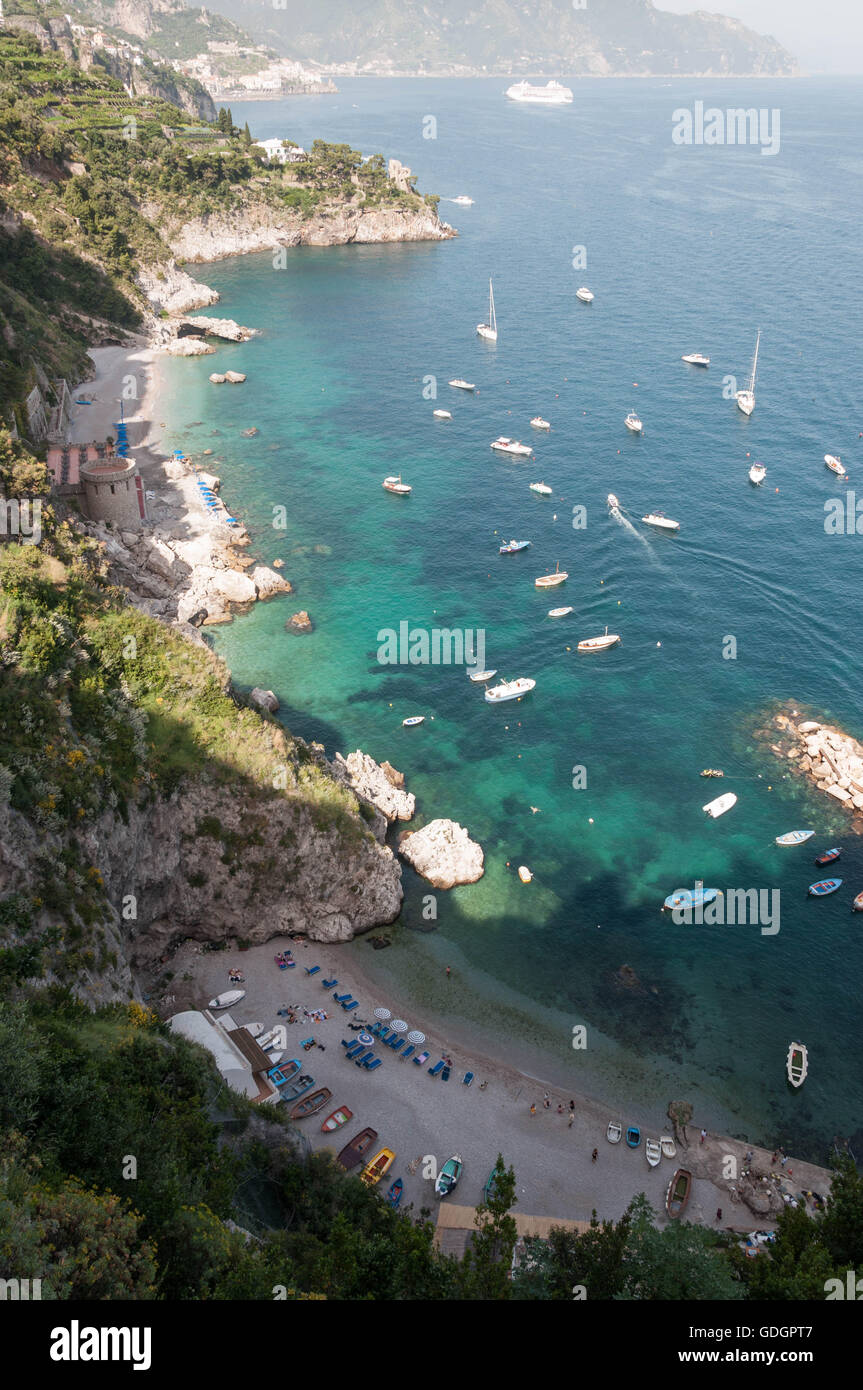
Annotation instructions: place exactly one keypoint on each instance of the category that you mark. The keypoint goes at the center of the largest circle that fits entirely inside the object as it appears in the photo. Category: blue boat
(633, 1136)
(690, 897)
(827, 885)
(512, 547)
(394, 1195)
(828, 856)
(794, 837)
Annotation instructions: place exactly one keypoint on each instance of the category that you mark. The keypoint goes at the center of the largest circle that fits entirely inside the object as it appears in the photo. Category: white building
(281, 151)
(242, 1063)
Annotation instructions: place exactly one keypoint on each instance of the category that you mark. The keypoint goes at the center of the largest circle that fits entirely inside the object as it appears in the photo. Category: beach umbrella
(366, 1039)
(416, 1037)
(398, 1025)
(383, 1014)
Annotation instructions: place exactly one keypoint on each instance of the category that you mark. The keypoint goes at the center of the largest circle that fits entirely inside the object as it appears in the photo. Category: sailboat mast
(491, 318)
(755, 363)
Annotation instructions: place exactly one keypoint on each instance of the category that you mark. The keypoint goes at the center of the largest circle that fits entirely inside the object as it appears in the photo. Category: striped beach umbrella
(383, 1014)
(416, 1037)
(398, 1025)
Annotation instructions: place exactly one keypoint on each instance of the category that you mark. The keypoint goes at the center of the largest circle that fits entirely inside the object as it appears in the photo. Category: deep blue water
(687, 249)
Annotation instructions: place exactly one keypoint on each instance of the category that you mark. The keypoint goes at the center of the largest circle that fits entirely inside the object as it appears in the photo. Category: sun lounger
(354, 1048)
(355, 1004)
(408, 1052)
(329, 984)
(422, 1059)
(373, 1064)
(397, 1046)
(467, 1078)
(444, 1076)
(362, 1055)
(312, 969)
(385, 1035)
(348, 1042)
(368, 1062)
(437, 1068)
(376, 1029)
(340, 998)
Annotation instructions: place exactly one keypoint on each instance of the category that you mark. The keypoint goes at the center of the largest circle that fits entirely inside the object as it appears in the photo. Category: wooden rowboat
(797, 1064)
(678, 1192)
(354, 1151)
(337, 1119)
(652, 1152)
(380, 1164)
(614, 1131)
(316, 1101)
(668, 1146)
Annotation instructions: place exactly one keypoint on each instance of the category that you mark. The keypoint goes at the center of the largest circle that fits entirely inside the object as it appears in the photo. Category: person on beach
(448, 972)
(594, 1156)
(560, 1109)
(572, 1105)
(571, 1118)
(718, 1213)
(533, 1109)
(783, 1160)
(703, 1136)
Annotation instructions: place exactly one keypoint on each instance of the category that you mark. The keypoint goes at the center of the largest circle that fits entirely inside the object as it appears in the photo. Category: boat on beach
(489, 330)
(652, 1152)
(720, 805)
(678, 1193)
(614, 1132)
(696, 359)
(394, 1195)
(336, 1119)
(824, 887)
(509, 690)
(549, 581)
(633, 423)
(599, 644)
(477, 676)
(224, 1001)
(661, 521)
(351, 1154)
(396, 485)
(462, 385)
(449, 1175)
(559, 612)
(585, 295)
(668, 1146)
(513, 547)
(835, 465)
(504, 445)
(633, 1136)
(794, 837)
(376, 1167)
(542, 488)
(797, 1063)
(746, 397)
(316, 1101)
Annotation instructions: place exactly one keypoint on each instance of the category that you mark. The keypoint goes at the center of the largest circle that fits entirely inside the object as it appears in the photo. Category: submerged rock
(264, 699)
(299, 622)
(443, 853)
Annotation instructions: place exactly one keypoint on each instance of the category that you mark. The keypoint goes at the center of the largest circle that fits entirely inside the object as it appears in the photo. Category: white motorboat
(668, 1146)
(442, 414)
(633, 423)
(412, 721)
(462, 385)
(397, 486)
(835, 465)
(224, 1001)
(599, 644)
(463, 201)
(696, 359)
(509, 690)
(542, 488)
(652, 1152)
(552, 94)
(540, 424)
(560, 612)
(524, 873)
(614, 1132)
(660, 521)
(585, 295)
(480, 675)
(549, 581)
(746, 397)
(720, 805)
(613, 503)
(504, 445)
(797, 1063)
(757, 473)
(489, 330)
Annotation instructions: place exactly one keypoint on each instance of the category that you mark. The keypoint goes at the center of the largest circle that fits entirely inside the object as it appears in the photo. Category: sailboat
(489, 330)
(746, 399)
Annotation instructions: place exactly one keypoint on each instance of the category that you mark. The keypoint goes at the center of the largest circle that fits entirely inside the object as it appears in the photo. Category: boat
(462, 385)
(256, 1029)
(490, 1186)
(442, 414)
(720, 805)
(668, 1146)
(824, 887)
(351, 1154)
(540, 424)
(794, 837)
(746, 398)
(463, 201)
(489, 330)
(797, 1063)
(857, 905)
(449, 1175)
(696, 359)
(614, 1131)
(757, 473)
(481, 675)
(524, 873)
(712, 772)
(828, 856)
(549, 581)
(397, 486)
(224, 1001)
(661, 521)
(504, 445)
(337, 1119)
(552, 94)
(376, 1167)
(835, 465)
(513, 547)
(413, 720)
(316, 1101)
(542, 488)
(652, 1152)
(559, 612)
(690, 897)
(678, 1193)
(633, 423)
(613, 503)
(286, 1072)
(395, 1193)
(599, 644)
(633, 1136)
(509, 690)
(585, 295)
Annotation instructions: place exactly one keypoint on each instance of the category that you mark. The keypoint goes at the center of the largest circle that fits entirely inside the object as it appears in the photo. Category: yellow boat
(375, 1169)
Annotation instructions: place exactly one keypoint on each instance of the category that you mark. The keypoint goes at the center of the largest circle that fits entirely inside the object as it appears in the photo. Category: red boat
(828, 856)
(359, 1145)
(337, 1119)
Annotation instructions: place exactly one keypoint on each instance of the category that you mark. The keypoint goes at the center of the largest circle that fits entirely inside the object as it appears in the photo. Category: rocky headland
(825, 755)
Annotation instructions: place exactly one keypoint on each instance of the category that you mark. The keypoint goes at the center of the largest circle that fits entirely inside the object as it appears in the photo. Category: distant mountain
(606, 38)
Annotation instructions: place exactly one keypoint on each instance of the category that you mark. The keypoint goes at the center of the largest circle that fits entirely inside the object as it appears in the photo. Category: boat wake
(617, 514)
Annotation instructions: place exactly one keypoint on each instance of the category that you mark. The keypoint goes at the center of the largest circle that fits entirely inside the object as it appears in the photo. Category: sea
(593, 780)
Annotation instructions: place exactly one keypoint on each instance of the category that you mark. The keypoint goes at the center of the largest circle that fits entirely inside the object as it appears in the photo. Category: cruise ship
(552, 94)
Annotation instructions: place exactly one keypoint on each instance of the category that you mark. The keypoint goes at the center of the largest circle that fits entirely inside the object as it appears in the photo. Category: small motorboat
(835, 465)
(336, 1119)
(652, 1152)
(395, 1193)
(720, 805)
(824, 888)
(524, 873)
(477, 676)
(316, 1101)
(449, 1175)
(712, 772)
(461, 385)
(359, 1145)
(513, 547)
(661, 521)
(509, 690)
(614, 1132)
(633, 423)
(797, 1064)
(504, 445)
(828, 857)
(560, 612)
(857, 905)
(696, 359)
(412, 720)
(397, 486)
(542, 488)
(442, 414)
(794, 837)
(585, 295)
(224, 1001)
(463, 201)
(613, 503)
(549, 581)
(668, 1146)
(599, 644)
(633, 1136)
(540, 424)
(375, 1169)
(678, 1193)
(690, 897)
(757, 473)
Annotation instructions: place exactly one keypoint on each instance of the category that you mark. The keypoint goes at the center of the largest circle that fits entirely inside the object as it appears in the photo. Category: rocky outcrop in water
(371, 783)
(833, 760)
(443, 853)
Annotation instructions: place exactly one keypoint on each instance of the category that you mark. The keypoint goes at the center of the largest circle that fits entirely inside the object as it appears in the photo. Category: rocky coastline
(829, 758)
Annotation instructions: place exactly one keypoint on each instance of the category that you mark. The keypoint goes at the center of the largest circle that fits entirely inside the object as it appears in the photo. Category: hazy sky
(824, 35)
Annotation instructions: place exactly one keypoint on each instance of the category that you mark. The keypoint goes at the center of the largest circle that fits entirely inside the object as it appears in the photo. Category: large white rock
(161, 559)
(264, 699)
(839, 792)
(232, 586)
(443, 853)
(370, 782)
(810, 726)
(268, 582)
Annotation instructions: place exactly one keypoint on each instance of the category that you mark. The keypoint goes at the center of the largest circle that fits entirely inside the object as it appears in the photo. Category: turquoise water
(687, 249)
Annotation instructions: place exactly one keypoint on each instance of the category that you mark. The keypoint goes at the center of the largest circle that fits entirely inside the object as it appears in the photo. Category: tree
(247, 135)
(842, 1223)
(569, 1260)
(485, 1271)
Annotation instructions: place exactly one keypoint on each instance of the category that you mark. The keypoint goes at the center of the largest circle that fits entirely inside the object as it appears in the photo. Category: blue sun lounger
(368, 1062)
(363, 1055)
(408, 1052)
(376, 1029)
(373, 1064)
(354, 1048)
(467, 1078)
(355, 1004)
(437, 1068)
(312, 969)
(397, 1046)
(339, 998)
(329, 984)
(385, 1036)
